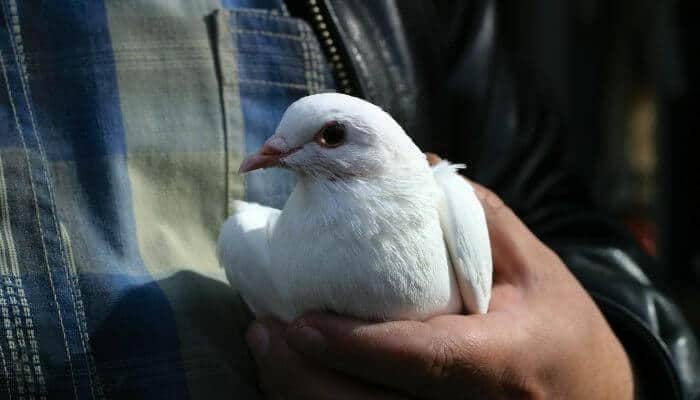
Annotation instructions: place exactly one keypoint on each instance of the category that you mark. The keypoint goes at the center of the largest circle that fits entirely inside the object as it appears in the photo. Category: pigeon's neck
(397, 182)
(349, 201)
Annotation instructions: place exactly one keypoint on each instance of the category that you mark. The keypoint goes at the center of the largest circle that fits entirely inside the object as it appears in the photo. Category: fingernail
(257, 338)
(307, 340)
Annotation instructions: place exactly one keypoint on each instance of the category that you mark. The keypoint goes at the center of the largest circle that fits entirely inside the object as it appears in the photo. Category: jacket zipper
(320, 20)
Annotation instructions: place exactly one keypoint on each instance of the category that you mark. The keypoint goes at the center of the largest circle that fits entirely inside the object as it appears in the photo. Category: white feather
(243, 250)
(366, 231)
(467, 237)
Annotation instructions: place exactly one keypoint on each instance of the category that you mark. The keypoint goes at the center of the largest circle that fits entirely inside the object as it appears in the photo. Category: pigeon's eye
(331, 135)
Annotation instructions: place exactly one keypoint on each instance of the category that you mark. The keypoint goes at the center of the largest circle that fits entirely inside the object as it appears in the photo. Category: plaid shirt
(122, 125)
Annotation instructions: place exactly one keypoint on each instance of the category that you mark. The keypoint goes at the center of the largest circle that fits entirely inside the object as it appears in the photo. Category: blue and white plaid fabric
(122, 124)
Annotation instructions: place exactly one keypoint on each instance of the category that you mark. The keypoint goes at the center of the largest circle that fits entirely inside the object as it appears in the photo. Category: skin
(543, 337)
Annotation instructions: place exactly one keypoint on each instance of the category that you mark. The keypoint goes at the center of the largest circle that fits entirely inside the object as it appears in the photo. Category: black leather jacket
(439, 70)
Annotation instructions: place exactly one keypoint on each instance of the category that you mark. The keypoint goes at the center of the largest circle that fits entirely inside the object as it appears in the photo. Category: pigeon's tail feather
(466, 234)
(446, 167)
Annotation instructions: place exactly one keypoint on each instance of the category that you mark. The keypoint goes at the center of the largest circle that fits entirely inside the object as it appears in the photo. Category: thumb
(516, 251)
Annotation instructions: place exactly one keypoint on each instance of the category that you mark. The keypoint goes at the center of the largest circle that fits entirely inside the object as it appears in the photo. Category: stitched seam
(6, 230)
(25, 89)
(78, 306)
(272, 83)
(269, 33)
(25, 85)
(31, 178)
(7, 275)
(269, 14)
(308, 76)
(318, 64)
(323, 66)
(315, 53)
(317, 60)
(25, 312)
(227, 51)
(252, 10)
(18, 49)
(15, 291)
(16, 30)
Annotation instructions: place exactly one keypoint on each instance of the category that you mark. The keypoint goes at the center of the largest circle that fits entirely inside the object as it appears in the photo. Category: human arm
(517, 144)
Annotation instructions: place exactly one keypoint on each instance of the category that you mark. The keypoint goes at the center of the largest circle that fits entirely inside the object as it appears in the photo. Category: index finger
(420, 358)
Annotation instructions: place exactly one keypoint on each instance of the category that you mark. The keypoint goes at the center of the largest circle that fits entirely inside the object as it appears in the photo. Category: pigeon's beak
(268, 155)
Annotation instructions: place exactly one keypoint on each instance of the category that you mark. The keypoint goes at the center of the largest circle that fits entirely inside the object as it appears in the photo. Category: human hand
(543, 337)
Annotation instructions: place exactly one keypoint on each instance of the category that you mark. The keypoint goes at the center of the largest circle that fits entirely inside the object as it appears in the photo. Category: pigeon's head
(336, 136)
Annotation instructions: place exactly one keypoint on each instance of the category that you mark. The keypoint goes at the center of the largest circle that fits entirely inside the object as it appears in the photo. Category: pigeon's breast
(359, 262)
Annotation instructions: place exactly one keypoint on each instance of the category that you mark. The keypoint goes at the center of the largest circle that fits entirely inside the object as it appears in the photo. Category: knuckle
(442, 365)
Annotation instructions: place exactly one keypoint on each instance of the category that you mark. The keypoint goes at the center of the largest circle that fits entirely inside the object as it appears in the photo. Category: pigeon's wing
(244, 252)
(464, 228)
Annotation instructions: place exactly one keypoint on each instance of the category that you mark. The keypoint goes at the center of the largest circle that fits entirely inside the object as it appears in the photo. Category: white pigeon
(370, 230)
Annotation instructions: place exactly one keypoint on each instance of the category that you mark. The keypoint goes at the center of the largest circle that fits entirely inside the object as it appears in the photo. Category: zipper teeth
(338, 66)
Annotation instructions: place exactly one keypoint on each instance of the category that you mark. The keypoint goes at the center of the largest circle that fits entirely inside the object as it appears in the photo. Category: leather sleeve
(517, 144)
